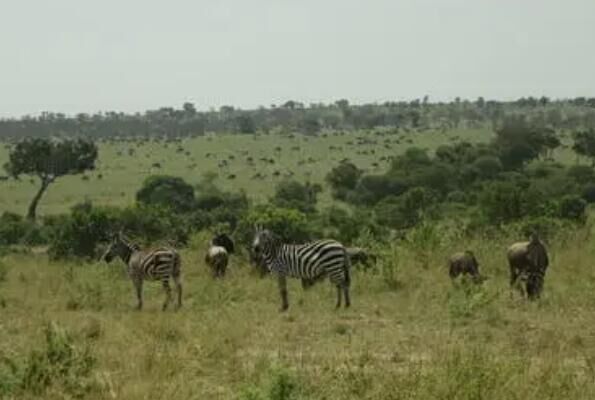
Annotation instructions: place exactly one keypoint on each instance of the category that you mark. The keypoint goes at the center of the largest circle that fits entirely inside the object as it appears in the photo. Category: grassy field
(410, 333)
(70, 331)
(307, 158)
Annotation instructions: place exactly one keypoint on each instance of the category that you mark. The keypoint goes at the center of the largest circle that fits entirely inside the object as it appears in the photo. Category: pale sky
(130, 55)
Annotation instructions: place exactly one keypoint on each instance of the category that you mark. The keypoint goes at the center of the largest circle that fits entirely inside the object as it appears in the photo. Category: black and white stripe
(159, 264)
(310, 262)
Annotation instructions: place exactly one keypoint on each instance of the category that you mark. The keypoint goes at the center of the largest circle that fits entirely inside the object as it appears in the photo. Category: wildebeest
(464, 263)
(528, 261)
(217, 257)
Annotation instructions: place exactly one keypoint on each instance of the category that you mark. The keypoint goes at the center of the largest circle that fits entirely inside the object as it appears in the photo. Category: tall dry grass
(410, 334)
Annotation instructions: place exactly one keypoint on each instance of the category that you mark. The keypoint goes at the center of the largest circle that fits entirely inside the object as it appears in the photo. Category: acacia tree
(48, 160)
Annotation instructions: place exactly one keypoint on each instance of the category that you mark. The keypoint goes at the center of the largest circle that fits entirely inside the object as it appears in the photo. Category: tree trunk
(45, 182)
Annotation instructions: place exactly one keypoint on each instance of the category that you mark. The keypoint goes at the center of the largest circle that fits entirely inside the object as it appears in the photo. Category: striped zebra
(160, 264)
(310, 262)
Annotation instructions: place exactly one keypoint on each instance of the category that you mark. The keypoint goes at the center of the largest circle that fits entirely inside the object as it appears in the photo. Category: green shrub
(289, 224)
(294, 194)
(167, 191)
(573, 207)
(77, 234)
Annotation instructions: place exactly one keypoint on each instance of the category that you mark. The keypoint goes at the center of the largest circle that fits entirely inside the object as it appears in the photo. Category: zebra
(311, 262)
(161, 264)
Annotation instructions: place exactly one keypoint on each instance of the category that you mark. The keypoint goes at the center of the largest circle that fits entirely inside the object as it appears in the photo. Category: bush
(503, 202)
(13, 228)
(573, 207)
(343, 178)
(289, 224)
(581, 174)
(61, 364)
(167, 191)
(293, 194)
(77, 234)
(588, 193)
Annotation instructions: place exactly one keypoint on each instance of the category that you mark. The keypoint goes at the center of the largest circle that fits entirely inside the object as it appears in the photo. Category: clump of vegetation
(62, 365)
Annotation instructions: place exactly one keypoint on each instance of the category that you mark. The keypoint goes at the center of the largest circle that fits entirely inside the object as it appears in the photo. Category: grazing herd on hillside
(310, 262)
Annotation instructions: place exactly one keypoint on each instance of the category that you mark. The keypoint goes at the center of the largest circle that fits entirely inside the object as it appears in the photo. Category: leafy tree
(49, 160)
(167, 191)
(487, 167)
(289, 224)
(503, 202)
(245, 124)
(518, 141)
(584, 144)
(293, 194)
(343, 178)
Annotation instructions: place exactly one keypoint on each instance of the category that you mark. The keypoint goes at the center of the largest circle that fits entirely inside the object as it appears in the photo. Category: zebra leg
(138, 286)
(346, 295)
(178, 284)
(282, 282)
(513, 279)
(167, 289)
(339, 294)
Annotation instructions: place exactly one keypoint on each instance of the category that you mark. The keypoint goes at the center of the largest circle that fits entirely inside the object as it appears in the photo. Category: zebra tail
(177, 264)
(347, 268)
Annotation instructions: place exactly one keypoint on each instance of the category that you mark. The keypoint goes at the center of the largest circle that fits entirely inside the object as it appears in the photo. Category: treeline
(509, 180)
(292, 116)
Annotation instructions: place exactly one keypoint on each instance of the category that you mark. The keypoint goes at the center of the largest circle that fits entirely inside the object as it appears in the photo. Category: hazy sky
(84, 56)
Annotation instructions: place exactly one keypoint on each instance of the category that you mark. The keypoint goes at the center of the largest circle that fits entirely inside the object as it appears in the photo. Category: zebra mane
(129, 243)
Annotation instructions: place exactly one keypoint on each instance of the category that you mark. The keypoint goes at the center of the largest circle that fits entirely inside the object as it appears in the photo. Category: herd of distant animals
(310, 262)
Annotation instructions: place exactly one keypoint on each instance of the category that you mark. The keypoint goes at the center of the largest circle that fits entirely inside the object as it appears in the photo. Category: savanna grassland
(297, 156)
(69, 330)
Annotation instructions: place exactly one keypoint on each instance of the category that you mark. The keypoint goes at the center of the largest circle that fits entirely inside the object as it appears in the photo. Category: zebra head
(264, 246)
(119, 247)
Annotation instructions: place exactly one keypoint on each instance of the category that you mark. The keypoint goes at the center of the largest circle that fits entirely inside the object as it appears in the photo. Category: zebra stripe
(160, 264)
(310, 262)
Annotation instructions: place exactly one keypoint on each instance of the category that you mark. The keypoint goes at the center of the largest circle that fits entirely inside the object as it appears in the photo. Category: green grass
(410, 333)
(122, 175)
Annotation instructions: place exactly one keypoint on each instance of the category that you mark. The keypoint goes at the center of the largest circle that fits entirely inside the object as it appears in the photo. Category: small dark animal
(464, 263)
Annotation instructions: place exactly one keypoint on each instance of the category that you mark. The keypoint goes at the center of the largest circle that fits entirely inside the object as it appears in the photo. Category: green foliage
(343, 178)
(293, 194)
(518, 141)
(503, 202)
(573, 207)
(78, 234)
(167, 191)
(279, 384)
(62, 365)
(12, 228)
(49, 160)
(289, 224)
(584, 143)
(581, 174)
(588, 193)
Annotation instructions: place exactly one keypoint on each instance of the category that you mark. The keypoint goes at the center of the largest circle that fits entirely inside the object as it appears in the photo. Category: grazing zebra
(528, 262)
(311, 262)
(160, 264)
